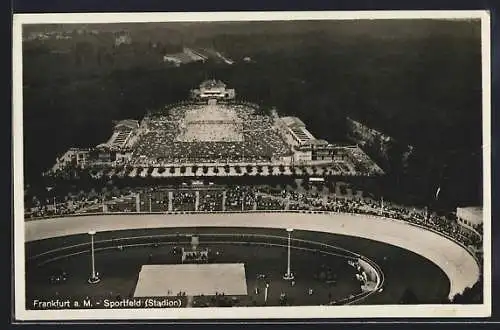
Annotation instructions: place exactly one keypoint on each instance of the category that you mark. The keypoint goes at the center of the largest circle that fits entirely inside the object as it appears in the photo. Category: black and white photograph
(252, 165)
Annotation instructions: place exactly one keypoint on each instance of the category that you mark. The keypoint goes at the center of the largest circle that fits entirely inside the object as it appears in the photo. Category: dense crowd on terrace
(269, 203)
(361, 162)
(211, 200)
(240, 198)
(159, 141)
(184, 201)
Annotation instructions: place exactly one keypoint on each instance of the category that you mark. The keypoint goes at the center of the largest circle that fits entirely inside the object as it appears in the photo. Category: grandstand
(123, 131)
(297, 130)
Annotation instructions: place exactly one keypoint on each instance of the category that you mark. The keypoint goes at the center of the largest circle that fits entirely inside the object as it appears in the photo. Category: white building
(172, 59)
(470, 218)
(76, 156)
(213, 89)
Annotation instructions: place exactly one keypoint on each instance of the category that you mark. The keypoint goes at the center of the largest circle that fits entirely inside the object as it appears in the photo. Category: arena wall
(456, 262)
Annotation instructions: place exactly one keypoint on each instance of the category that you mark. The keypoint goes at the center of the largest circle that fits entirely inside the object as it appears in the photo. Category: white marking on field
(193, 279)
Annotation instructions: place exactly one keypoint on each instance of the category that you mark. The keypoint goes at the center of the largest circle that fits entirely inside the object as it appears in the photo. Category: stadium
(218, 202)
(215, 134)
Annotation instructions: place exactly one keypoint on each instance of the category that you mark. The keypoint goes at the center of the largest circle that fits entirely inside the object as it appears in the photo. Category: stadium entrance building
(213, 89)
(470, 219)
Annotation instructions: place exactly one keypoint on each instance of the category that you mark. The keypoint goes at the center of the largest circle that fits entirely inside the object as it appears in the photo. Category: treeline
(471, 295)
(91, 56)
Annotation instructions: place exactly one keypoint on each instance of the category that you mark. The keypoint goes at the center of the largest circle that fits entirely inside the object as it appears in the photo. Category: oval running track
(456, 262)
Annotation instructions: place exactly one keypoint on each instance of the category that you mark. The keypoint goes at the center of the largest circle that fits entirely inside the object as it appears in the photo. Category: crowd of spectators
(242, 198)
(184, 200)
(361, 162)
(210, 200)
(154, 200)
(127, 204)
(48, 209)
(159, 143)
(269, 203)
(53, 203)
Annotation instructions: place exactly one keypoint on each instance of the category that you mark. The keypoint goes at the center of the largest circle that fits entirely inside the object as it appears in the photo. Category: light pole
(289, 275)
(94, 278)
(265, 292)
(381, 205)
(103, 205)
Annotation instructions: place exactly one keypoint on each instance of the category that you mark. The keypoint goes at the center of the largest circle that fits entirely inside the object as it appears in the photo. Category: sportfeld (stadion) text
(155, 302)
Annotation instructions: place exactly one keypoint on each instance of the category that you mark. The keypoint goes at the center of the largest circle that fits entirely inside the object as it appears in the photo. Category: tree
(172, 170)
(183, 169)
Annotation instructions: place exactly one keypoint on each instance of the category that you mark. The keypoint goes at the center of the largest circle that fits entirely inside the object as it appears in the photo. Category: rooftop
(212, 83)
